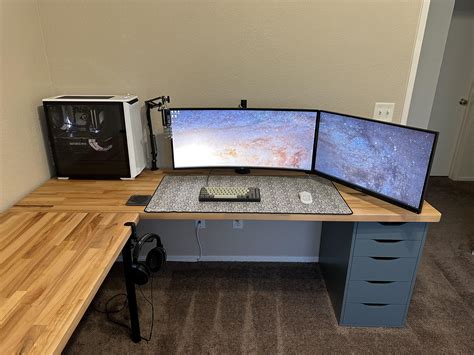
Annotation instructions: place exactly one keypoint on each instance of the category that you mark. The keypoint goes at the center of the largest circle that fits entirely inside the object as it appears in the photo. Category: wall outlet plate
(384, 111)
(200, 223)
(238, 224)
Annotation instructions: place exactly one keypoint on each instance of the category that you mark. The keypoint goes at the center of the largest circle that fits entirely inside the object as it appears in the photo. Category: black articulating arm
(160, 104)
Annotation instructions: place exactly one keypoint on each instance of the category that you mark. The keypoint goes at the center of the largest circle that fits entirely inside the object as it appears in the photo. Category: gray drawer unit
(370, 270)
(395, 292)
(382, 268)
(374, 315)
(394, 231)
(387, 247)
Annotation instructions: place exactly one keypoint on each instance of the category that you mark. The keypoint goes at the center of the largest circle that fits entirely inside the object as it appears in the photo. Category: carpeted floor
(227, 308)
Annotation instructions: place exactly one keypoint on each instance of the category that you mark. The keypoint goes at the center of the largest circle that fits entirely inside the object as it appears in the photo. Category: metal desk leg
(131, 295)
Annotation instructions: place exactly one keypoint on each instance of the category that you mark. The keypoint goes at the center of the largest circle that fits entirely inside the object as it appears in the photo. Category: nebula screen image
(243, 138)
(389, 160)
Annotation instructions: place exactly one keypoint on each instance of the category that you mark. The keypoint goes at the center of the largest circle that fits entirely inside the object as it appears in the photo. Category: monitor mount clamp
(160, 103)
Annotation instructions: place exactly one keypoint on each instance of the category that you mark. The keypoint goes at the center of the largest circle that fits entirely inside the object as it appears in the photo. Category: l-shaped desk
(58, 243)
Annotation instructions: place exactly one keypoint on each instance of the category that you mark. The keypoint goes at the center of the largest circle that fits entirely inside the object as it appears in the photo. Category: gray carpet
(233, 308)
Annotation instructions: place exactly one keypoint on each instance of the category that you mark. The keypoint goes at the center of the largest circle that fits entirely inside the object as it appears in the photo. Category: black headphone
(155, 259)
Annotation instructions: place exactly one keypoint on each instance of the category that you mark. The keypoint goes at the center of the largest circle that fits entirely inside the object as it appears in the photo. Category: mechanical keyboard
(231, 194)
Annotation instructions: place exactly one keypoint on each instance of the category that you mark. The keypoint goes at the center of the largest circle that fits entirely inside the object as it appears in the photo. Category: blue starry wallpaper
(389, 160)
(243, 138)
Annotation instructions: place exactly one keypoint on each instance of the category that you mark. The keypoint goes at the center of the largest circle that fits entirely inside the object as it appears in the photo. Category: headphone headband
(146, 237)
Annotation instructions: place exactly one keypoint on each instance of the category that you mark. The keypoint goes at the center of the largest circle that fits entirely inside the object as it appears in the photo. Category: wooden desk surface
(51, 266)
(111, 195)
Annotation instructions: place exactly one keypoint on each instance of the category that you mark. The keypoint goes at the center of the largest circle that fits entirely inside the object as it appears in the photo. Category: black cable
(110, 319)
(110, 300)
(151, 303)
(108, 312)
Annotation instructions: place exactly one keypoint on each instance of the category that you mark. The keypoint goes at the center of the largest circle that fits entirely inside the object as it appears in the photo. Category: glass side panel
(88, 139)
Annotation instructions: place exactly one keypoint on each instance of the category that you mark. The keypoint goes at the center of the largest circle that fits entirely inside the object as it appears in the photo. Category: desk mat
(279, 194)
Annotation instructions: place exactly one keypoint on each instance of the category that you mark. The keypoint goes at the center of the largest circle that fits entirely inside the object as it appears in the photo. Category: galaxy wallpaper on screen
(389, 160)
(243, 138)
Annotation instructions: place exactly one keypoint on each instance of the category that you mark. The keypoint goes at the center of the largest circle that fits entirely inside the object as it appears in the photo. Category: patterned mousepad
(279, 194)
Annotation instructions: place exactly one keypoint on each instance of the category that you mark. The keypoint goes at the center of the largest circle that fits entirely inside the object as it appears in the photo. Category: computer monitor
(248, 138)
(389, 161)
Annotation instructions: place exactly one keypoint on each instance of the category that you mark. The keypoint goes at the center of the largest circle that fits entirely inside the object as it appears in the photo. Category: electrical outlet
(384, 111)
(200, 223)
(238, 224)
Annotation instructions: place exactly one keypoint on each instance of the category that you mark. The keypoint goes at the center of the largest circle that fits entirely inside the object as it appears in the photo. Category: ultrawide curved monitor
(249, 138)
(389, 161)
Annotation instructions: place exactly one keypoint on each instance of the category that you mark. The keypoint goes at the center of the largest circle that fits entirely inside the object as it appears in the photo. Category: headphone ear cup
(140, 273)
(156, 258)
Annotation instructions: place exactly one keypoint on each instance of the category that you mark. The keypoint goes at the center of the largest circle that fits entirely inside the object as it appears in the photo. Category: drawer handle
(388, 241)
(380, 282)
(375, 304)
(383, 258)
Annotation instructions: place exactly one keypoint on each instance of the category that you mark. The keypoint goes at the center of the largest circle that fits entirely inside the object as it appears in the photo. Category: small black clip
(134, 230)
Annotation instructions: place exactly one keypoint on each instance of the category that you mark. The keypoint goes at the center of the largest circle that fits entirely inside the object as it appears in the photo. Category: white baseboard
(238, 258)
(245, 258)
(462, 178)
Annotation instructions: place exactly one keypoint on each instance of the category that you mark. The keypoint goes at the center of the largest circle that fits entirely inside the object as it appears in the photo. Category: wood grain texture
(51, 266)
(111, 196)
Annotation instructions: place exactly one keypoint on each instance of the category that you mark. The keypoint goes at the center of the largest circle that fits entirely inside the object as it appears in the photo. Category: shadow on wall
(466, 6)
(46, 143)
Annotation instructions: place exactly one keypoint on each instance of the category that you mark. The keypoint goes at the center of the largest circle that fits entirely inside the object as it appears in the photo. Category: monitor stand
(242, 170)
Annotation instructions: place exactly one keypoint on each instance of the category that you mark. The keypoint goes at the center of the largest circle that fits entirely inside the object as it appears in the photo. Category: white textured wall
(24, 81)
(258, 240)
(342, 55)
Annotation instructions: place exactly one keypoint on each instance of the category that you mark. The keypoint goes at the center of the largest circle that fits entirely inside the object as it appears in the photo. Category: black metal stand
(154, 149)
(158, 103)
(242, 170)
(130, 284)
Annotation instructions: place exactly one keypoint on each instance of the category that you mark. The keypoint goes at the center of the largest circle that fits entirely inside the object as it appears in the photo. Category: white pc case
(96, 136)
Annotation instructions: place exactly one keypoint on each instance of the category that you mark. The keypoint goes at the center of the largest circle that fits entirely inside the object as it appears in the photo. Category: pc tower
(95, 136)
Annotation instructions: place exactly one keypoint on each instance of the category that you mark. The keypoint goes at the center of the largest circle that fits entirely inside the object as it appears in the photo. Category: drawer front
(387, 247)
(396, 292)
(374, 315)
(394, 231)
(365, 268)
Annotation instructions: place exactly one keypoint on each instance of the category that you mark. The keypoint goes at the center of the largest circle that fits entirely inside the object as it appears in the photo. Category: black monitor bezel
(368, 191)
(169, 109)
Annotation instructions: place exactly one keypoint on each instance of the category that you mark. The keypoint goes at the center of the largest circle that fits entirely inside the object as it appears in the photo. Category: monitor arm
(160, 104)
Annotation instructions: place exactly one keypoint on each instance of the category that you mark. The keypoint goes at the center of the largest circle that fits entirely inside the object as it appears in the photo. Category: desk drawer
(387, 247)
(395, 292)
(374, 315)
(405, 231)
(367, 268)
